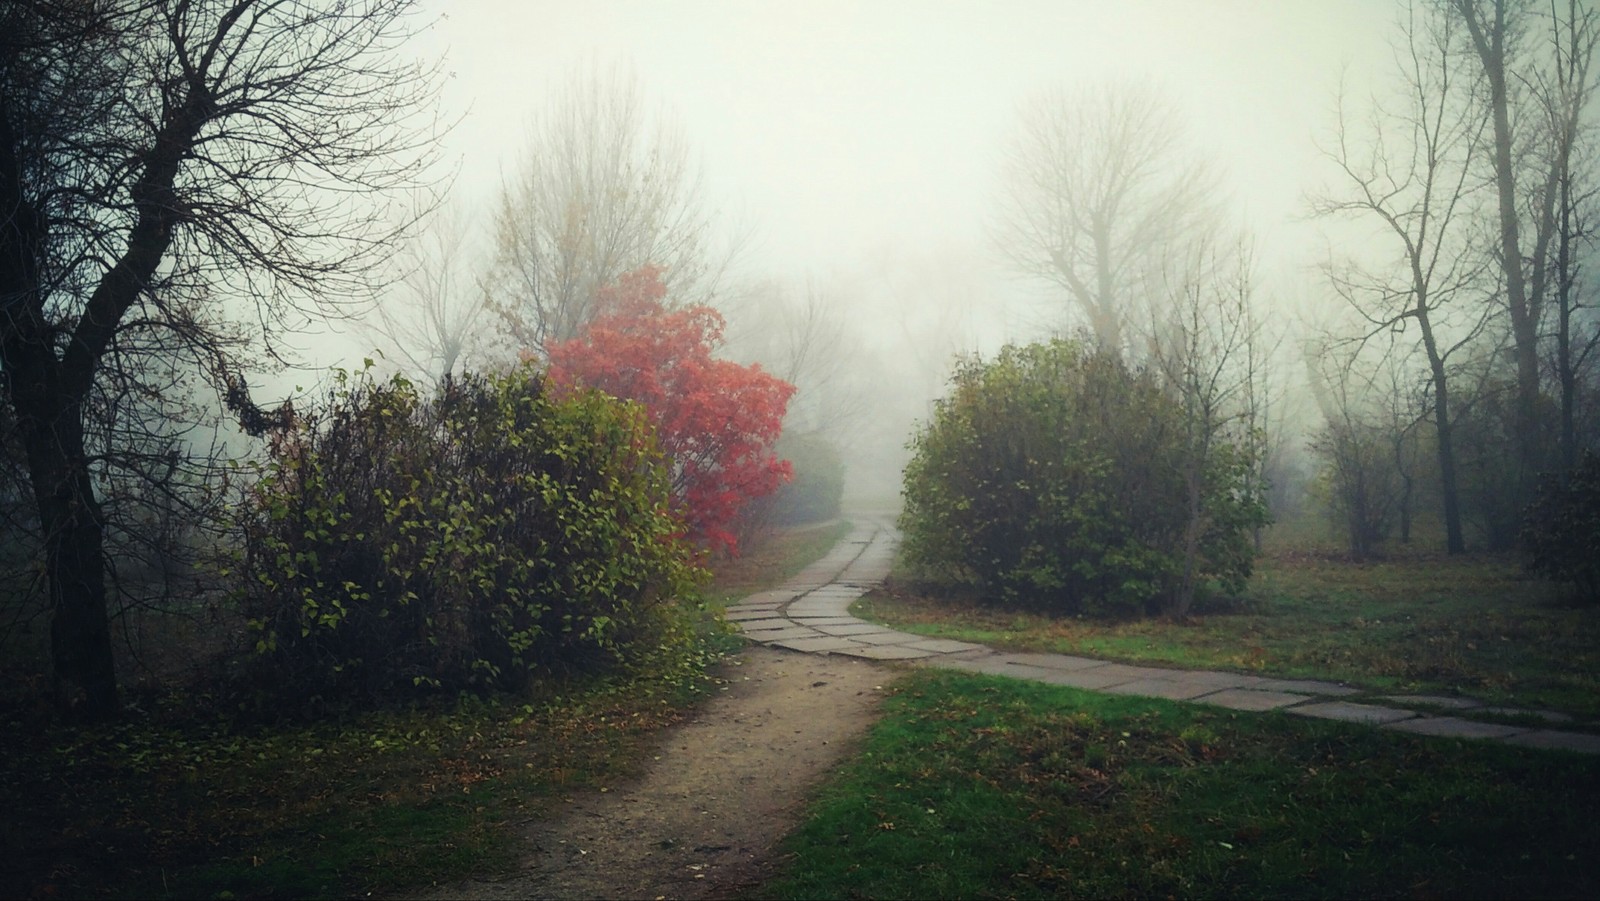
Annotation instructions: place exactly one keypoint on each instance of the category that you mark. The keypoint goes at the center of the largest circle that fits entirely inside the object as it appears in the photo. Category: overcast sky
(843, 127)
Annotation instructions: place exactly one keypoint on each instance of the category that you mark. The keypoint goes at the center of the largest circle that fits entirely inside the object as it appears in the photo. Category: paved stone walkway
(811, 613)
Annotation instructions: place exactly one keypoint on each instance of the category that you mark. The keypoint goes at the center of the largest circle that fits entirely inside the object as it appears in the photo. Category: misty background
(848, 157)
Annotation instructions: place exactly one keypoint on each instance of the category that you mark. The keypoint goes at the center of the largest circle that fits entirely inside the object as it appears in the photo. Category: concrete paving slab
(817, 609)
(1122, 672)
(814, 577)
(888, 636)
(1453, 727)
(815, 621)
(1220, 680)
(835, 602)
(884, 652)
(941, 645)
(1251, 700)
(789, 634)
(1091, 679)
(856, 628)
(1549, 716)
(1347, 712)
(1056, 661)
(741, 614)
(757, 625)
(1170, 689)
(816, 645)
(1308, 686)
(993, 665)
(832, 600)
(1563, 741)
(1449, 703)
(988, 666)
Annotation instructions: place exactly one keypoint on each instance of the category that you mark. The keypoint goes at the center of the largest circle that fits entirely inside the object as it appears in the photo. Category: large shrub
(472, 539)
(1561, 530)
(1054, 475)
(717, 420)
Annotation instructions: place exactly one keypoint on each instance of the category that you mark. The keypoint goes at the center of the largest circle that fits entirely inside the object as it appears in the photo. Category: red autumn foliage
(716, 419)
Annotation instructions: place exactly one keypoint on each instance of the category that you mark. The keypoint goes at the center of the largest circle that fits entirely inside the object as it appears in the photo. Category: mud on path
(725, 787)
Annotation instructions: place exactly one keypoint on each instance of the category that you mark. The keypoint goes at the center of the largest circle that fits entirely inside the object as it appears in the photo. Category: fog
(840, 128)
(857, 147)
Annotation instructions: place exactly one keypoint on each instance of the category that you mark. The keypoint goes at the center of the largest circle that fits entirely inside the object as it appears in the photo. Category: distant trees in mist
(1470, 328)
(1458, 363)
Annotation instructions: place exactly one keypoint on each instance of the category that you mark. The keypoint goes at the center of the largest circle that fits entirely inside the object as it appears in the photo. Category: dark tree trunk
(80, 633)
(1489, 38)
(50, 420)
(51, 424)
(47, 380)
(1455, 542)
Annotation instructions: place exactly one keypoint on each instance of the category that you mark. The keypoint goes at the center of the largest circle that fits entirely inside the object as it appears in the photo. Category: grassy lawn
(167, 806)
(981, 787)
(1475, 626)
(173, 803)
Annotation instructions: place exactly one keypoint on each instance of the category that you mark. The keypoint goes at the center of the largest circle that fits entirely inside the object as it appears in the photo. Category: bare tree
(604, 188)
(1367, 436)
(1409, 172)
(1564, 94)
(1097, 185)
(167, 169)
(1537, 96)
(805, 338)
(1208, 343)
(431, 316)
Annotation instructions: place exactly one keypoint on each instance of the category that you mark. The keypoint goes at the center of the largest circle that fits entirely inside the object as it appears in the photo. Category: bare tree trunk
(51, 426)
(102, 109)
(1489, 39)
(1191, 544)
(80, 632)
(1455, 543)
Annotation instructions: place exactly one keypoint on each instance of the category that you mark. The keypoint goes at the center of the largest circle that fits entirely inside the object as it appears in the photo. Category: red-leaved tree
(716, 419)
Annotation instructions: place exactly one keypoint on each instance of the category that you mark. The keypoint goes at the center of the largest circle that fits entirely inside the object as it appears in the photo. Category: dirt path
(727, 785)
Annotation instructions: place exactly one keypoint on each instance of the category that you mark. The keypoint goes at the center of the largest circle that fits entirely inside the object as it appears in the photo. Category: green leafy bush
(470, 540)
(1054, 475)
(1561, 530)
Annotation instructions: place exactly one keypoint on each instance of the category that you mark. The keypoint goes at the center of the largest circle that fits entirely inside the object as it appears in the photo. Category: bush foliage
(469, 540)
(1054, 475)
(717, 420)
(1561, 531)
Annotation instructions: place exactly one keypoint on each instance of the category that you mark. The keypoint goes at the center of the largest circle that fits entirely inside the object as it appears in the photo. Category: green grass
(1475, 626)
(980, 787)
(168, 805)
(175, 802)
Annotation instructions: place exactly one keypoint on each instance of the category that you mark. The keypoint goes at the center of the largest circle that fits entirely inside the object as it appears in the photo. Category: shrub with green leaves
(1561, 530)
(1054, 475)
(472, 539)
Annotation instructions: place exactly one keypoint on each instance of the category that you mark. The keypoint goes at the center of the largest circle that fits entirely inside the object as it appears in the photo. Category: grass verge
(984, 787)
(171, 802)
(1474, 626)
(166, 805)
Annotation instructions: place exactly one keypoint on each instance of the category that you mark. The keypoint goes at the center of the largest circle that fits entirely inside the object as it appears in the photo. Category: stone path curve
(811, 613)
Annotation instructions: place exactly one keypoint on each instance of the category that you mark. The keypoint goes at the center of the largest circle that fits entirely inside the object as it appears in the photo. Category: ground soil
(726, 785)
